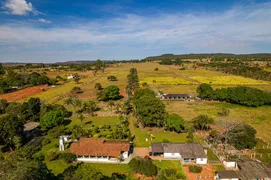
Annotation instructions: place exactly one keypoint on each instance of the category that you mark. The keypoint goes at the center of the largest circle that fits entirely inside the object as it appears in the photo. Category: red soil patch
(23, 93)
(206, 174)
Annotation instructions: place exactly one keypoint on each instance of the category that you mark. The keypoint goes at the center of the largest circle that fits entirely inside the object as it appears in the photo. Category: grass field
(218, 78)
(258, 117)
(166, 80)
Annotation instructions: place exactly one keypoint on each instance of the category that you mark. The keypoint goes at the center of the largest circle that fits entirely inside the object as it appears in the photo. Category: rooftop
(30, 126)
(227, 174)
(253, 170)
(187, 150)
(99, 147)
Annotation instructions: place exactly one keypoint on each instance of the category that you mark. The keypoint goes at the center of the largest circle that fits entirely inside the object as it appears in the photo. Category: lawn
(167, 164)
(158, 136)
(211, 155)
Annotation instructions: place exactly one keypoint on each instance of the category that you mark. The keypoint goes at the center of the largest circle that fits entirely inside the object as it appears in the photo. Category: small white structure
(229, 164)
(71, 76)
(100, 150)
(186, 152)
(62, 140)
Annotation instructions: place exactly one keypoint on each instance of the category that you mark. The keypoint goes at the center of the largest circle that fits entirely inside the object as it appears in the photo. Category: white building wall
(229, 164)
(201, 161)
(124, 155)
(172, 156)
(87, 159)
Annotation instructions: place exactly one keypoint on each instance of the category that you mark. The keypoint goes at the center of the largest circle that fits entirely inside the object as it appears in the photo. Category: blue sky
(63, 30)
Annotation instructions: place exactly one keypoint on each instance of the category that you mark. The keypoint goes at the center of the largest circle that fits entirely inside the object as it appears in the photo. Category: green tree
(10, 127)
(205, 91)
(34, 105)
(143, 166)
(202, 122)
(112, 78)
(2, 70)
(109, 93)
(51, 119)
(174, 122)
(111, 105)
(89, 107)
(133, 82)
(81, 117)
(150, 110)
(3, 105)
(243, 136)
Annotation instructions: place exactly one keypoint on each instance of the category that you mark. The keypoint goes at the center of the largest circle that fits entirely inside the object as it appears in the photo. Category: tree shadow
(66, 122)
(89, 122)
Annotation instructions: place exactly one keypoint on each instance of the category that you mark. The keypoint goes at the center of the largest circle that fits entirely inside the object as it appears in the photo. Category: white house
(100, 150)
(186, 152)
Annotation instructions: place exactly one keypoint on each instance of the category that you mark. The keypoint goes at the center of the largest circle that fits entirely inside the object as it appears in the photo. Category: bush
(67, 157)
(58, 131)
(195, 169)
(224, 112)
(165, 141)
(112, 78)
(143, 166)
(51, 156)
(45, 141)
(38, 157)
(76, 90)
(156, 69)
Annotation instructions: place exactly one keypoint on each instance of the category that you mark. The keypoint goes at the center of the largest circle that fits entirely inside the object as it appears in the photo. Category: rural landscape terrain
(226, 109)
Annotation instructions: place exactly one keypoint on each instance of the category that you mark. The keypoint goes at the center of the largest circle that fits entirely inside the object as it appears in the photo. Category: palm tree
(81, 117)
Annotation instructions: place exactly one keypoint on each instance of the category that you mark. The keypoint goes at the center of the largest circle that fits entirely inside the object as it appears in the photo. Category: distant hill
(262, 56)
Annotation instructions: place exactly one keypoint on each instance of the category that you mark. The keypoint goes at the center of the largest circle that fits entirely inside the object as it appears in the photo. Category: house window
(172, 154)
(201, 159)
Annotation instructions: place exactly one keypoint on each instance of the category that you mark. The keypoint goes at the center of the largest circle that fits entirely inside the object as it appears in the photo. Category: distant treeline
(242, 95)
(214, 56)
(241, 69)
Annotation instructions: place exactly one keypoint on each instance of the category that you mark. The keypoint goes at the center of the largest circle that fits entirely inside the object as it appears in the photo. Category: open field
(166, 80)
(218, 78)
(24, 93)
(167, 164)
(258, 117)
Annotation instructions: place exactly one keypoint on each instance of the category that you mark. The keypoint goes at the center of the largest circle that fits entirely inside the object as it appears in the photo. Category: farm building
(100, 150)
(182, 97)
(186, 152)
(245, 170)
(71, 76)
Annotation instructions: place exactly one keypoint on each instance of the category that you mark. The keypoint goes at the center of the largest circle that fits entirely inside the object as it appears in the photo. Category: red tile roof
(99, 147)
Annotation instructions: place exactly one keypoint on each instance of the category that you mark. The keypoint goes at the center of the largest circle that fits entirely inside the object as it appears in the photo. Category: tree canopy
(109, 93)
(243, 136)
(174, 122)
(148, 108)
(51, 119)
(202, 122)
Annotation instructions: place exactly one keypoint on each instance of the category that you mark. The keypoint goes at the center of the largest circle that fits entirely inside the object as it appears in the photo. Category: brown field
(23, 93)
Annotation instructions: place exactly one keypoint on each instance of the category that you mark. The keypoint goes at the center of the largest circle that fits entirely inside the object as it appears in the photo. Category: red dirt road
(24, 93)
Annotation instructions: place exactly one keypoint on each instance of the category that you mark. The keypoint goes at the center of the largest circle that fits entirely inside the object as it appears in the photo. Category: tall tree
(10, 127)
(202, 122)
(133, 82)
(34, 105)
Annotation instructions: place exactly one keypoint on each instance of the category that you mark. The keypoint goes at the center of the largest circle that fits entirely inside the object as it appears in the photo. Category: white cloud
(19, 7)
(44, 21)
(238, 30)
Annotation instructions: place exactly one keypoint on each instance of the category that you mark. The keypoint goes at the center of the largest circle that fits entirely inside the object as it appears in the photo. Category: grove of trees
(243, 95)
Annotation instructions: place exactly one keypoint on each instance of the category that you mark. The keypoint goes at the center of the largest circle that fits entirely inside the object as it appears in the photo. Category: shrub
(67, 157)
(98, 86)
(143, 166)
(39, 157)
(112, 78)
(195, 169)
(58, 131)
(224, 112)
(76, 90)
(45, 141)
(52, 155)
(156, 69)
(165, 141)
